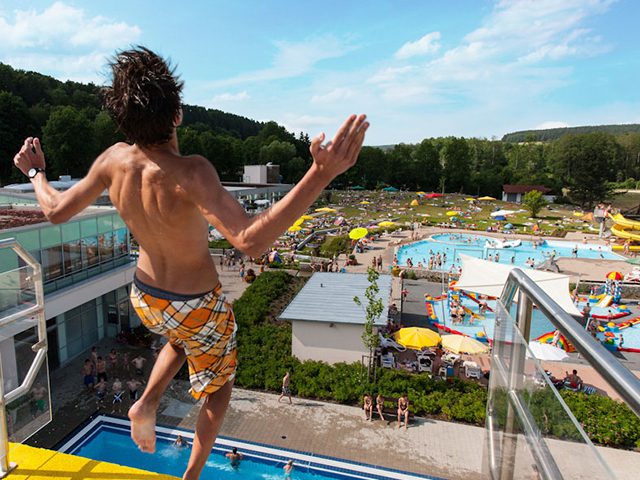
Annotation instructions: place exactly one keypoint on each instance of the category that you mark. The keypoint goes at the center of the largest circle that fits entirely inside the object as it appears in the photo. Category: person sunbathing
(572, 380)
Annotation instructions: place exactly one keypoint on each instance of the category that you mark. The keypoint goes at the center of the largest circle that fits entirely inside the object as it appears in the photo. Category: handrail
(621, 379)
(40, 348)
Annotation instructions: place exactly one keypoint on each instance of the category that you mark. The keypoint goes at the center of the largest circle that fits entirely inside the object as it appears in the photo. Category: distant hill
(555, 133)
(42, 92)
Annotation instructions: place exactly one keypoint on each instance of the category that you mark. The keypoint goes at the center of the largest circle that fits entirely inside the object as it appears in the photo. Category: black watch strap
(34, 171)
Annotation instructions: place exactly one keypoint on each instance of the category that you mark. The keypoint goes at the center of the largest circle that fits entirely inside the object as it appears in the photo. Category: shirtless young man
(167, 201)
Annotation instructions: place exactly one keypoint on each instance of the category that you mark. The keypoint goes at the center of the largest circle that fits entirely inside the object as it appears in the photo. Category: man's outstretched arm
(253, 235)
(58, 206)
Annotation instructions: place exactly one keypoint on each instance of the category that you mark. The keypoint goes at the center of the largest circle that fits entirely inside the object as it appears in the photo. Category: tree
(15, 126)
(455, 156)
(534, 202)
(373, 311)
(586, 164)
(69, 142)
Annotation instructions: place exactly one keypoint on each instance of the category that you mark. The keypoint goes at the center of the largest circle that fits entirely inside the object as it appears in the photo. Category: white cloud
(62, 40)
(518, 49)
(230, 97)
(292, 59)
(550, 124)
(335, 95)
(426, 45)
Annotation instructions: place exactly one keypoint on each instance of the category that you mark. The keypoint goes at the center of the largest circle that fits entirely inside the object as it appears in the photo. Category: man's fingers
(342, 131)
(316, 143)
(356, 143)
(38, 147)
(353, 133)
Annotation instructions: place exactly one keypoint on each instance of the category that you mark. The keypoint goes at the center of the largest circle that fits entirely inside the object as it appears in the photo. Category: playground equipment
(563, 343)
(612, 287)
(625, 228)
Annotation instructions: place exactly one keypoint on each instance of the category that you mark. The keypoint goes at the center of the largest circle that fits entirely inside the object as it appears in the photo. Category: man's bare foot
(143, 426)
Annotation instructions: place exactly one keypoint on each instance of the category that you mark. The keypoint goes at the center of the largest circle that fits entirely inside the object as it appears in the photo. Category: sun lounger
(388, 361)
(472, 370)
(386, 342)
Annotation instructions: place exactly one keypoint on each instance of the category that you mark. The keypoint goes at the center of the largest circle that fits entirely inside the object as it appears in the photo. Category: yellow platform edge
(41, 464)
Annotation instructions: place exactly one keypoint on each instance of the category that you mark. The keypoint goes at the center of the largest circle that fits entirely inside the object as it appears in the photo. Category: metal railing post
(40, 349)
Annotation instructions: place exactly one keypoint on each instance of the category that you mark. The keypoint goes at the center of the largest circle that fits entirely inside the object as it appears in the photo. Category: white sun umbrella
(502, 213)
(546, 351)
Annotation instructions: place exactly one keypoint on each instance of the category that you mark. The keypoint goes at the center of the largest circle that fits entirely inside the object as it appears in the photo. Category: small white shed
(326, 323)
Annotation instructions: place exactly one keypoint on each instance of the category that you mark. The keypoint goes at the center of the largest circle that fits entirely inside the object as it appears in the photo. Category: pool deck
(39, 464)
(580, 268)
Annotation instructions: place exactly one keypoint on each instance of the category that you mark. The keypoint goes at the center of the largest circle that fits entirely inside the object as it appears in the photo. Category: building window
(52, 263)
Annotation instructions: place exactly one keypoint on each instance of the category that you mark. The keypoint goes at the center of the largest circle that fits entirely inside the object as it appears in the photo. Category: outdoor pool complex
(539, 323)
(108, 439)
(479, 246)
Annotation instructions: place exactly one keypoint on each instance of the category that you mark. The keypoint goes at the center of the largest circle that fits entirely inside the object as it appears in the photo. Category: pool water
(478, 246)
(108, 439)
(539, 323)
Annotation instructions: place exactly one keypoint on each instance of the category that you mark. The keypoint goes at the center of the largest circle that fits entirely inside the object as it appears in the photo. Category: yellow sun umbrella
(577, 214)
(417, 338)
(298, 222)
(463, 344)
(452, 213)
(420, 193)
(358, 233)
(294, 228)
(414, 203)
(326, 210)
(488, 199)
(470, 199)
(364, 202)
(306, 217)
(386, 223)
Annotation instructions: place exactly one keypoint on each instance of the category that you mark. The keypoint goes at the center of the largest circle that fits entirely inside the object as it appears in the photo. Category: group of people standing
(96, 371)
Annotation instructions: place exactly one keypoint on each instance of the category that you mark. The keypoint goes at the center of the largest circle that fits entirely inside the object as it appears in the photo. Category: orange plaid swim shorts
(203, 325)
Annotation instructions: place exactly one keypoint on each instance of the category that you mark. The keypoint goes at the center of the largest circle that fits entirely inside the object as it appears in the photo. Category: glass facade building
(75, 255)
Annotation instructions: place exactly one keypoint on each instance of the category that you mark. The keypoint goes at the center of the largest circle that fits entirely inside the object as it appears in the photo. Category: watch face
(32, 172)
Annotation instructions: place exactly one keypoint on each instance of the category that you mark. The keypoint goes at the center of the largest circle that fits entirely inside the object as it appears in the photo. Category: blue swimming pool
(107, 439)
(474, 322)
(452, 245)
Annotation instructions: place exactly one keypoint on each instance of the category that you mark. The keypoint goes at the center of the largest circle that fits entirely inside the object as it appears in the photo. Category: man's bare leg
(209, 421)
(143, 413)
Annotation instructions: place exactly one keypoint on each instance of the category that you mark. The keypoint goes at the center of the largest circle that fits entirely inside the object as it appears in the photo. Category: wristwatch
(34, 171)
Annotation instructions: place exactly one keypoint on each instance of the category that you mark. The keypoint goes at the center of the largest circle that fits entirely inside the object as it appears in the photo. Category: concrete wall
(321, 341)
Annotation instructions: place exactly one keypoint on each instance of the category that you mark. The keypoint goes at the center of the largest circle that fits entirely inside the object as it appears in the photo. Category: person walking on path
(167, 201)
(286, 391)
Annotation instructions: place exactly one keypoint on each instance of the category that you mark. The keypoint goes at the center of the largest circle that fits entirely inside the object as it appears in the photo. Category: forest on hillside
(547, 134)
(74, 129)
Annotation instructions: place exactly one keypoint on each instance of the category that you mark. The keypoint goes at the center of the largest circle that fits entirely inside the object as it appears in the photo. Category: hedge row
(264, 349)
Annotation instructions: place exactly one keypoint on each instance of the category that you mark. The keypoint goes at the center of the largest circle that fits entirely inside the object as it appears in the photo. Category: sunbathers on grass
(203, 325)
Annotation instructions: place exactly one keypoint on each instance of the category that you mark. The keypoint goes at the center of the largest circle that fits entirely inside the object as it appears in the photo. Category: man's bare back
(150, 189)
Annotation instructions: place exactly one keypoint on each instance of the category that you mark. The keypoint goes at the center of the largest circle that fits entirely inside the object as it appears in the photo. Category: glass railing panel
(532, 432)
(30, 412)
(17, 290)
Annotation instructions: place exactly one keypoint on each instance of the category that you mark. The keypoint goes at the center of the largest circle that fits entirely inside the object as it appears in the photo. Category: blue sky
(418, 68)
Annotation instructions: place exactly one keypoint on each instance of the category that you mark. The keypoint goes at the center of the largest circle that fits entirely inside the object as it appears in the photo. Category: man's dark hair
(234, 450)
(144, 97)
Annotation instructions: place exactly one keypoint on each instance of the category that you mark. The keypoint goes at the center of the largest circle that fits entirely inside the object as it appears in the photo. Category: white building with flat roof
(326, 323)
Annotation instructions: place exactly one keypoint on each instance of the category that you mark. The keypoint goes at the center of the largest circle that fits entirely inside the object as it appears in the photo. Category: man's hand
(341, 153)
(30, 156)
